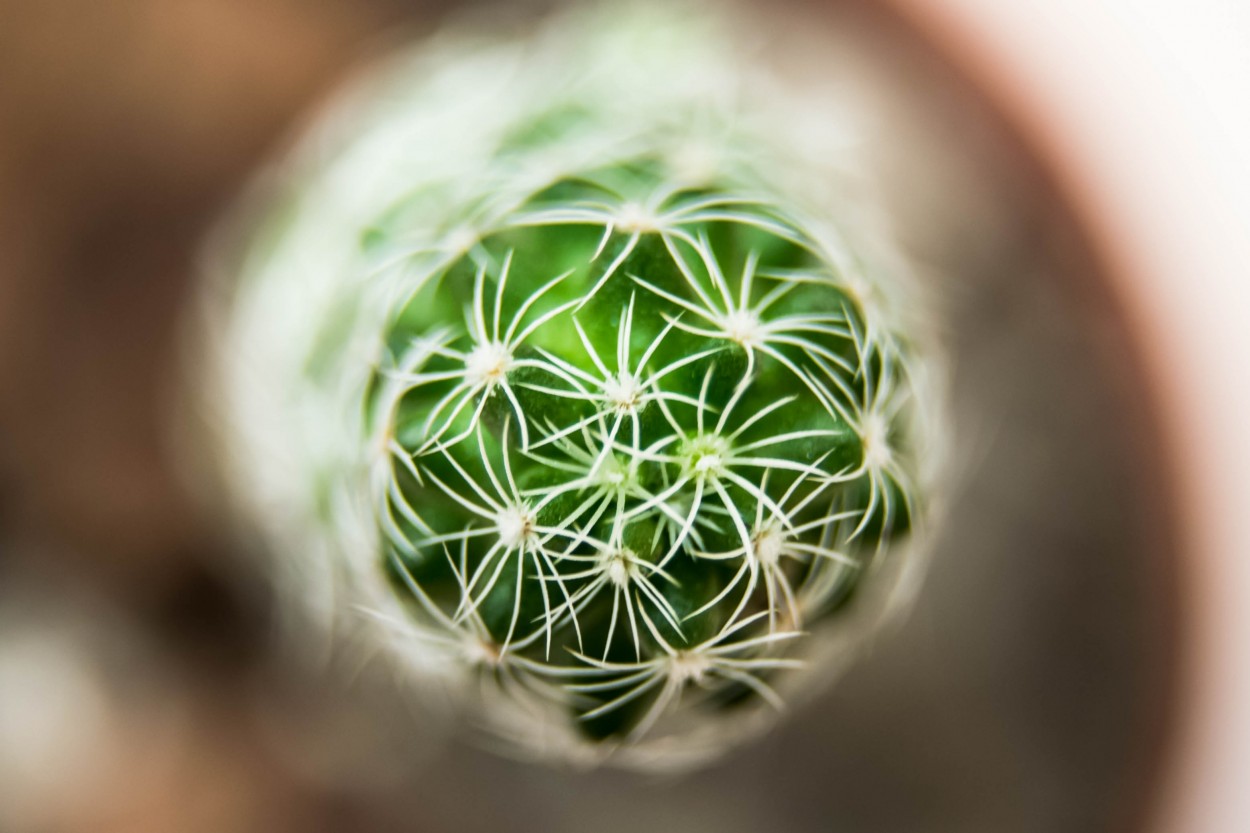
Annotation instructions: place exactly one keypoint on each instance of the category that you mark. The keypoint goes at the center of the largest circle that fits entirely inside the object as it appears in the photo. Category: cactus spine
(562, 368)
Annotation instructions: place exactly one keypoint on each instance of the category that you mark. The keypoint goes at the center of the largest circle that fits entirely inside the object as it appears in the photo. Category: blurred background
(1029, 690)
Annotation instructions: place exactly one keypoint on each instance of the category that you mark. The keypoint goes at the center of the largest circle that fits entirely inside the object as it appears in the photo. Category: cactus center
(488, 363)
(744, 327)
(612, 473)
(623, 391)
(636, 218)
(706, 454)
(622, 567)
(461, 240)
(516, 527)
(482, 653)
(688, 667)
(769, 544)
(875, 438)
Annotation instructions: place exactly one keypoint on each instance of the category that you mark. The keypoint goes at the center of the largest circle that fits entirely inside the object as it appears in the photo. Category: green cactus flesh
(635, 443)
(629, 430)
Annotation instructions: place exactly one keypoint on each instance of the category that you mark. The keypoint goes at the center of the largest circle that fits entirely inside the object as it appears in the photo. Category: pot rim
(1133, 109)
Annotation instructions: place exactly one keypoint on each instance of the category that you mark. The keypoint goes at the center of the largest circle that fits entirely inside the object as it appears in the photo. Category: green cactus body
(573, 381)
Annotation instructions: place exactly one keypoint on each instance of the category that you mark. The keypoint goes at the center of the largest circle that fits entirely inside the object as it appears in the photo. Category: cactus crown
(635, 422)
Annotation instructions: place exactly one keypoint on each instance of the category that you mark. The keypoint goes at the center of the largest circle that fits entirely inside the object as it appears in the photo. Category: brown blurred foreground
(1027, 693)
(125, 127)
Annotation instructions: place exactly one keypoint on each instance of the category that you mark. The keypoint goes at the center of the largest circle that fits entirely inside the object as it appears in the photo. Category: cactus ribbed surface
(559, 361)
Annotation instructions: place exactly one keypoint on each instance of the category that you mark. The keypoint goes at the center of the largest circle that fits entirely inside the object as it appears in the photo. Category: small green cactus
(563, 366)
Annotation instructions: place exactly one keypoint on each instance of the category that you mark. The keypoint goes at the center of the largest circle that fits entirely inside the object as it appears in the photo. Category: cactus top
(584, 389)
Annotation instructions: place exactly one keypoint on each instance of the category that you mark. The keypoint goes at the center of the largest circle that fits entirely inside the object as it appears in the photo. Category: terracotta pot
(1140, 111)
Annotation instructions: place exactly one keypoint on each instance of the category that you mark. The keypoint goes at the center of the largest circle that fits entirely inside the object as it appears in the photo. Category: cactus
(560, 361)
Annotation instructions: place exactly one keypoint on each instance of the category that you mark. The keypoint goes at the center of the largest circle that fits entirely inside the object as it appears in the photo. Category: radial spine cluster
(600, 417)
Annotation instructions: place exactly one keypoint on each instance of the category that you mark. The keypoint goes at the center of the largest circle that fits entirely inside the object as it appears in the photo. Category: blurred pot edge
(1133, 106)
